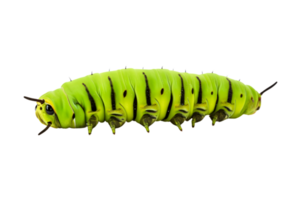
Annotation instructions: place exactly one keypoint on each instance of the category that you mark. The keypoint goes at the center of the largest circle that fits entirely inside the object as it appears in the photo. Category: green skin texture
(72, 98)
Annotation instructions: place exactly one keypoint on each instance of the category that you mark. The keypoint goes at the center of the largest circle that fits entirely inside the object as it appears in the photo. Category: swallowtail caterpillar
(145, 96)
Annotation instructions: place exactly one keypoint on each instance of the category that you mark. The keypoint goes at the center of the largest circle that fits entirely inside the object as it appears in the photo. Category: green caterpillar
(145, 96)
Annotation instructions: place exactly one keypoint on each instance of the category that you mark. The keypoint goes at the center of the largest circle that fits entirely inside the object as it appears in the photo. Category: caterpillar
(145, 96)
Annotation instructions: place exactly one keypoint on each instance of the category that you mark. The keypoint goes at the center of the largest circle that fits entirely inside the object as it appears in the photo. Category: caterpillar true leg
(218, 117)
(147, 122)
(113, 130)
(114, 124)
(178, 120)
(93, 123)
(89, 130)
(193, 123)
(196, 119)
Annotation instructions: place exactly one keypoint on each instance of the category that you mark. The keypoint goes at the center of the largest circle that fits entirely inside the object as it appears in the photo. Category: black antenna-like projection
(48, 126)
(37, 100)
(269, 88)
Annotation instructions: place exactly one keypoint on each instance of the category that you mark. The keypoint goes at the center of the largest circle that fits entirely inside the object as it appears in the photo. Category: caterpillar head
(52, 109)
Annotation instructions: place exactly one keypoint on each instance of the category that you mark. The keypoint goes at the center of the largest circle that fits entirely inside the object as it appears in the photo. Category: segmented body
(147, 96)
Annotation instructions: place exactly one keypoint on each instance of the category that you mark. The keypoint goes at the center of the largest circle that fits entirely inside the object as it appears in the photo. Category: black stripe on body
(216, 103)
(113, 100)
(116, 114)
(151, 111)
(93, 104)
(147, 91)
(228, 109)
(169, 107)
(182, 91)
(134, 107)
(183, 111)
(229, 92)
(200, 91)
(57, 122)
(116, 119)
(81, 107)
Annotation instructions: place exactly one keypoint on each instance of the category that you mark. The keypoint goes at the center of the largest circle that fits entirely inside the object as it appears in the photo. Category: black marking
(229, 92)
(216, 103)
(81, 107)
(184, 111)
(258, 108)
(200, 109)
(41, 108)
(93, 104)
(151, 111)
(113, 100)
(200, 91)
(73, 116)
(192, 90)
(134, 107)
(35, 107)
(116, 119)
(116, 114)
(212, 92)
(169, 107)
(124, 93)
(227, 108)
(147, 91)
(182, 91)
(241, 95)
(162, 91)
(56, 119)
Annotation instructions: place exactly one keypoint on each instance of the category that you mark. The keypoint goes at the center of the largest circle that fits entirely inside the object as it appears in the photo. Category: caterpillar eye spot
(49, 110)
(124, 93)
(212, 92)
(162, 91)
(241, 95)
(41, 108)
(193, 91)
(258, 108)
